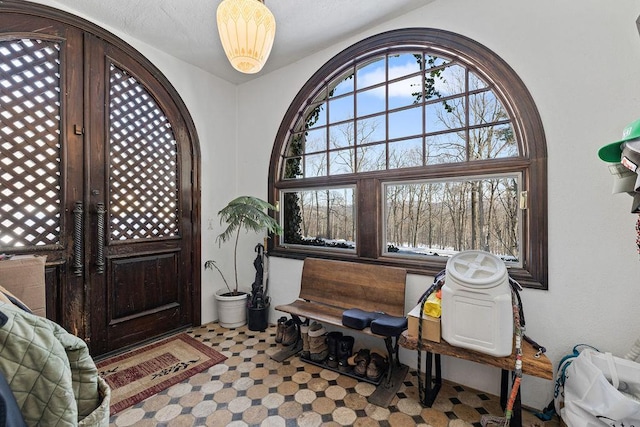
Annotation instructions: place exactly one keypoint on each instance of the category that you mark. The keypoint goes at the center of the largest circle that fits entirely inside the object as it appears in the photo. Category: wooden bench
(533, 363)
(330, 287)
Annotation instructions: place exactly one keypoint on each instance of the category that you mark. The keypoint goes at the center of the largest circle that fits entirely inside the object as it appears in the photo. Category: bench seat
(329, 287)
(322, 313)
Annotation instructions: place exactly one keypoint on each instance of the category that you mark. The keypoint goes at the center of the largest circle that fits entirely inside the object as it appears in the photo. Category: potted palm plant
(251, 214)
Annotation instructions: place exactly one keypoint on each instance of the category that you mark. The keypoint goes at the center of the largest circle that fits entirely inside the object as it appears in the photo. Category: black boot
(332, 343)
(345, 349)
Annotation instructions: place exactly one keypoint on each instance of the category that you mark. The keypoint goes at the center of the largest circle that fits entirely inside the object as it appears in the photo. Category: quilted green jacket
(52, 376)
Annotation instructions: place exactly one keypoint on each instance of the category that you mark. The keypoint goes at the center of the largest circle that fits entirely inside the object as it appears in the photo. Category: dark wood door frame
(67, 300)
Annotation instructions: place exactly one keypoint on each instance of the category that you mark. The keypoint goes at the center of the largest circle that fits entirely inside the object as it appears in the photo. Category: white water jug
(477, 312)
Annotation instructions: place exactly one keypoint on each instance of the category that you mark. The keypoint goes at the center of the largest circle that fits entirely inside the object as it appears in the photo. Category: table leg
(389, 345)
(431, 387)
(504, 388)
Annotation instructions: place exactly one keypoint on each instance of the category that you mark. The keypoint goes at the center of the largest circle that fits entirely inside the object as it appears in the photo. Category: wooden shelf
(535, 366)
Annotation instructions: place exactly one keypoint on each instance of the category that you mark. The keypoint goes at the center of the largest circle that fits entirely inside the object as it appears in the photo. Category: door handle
(100, 211)
(78, 243)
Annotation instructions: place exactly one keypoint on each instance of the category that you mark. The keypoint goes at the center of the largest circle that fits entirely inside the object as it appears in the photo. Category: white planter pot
(232, 310)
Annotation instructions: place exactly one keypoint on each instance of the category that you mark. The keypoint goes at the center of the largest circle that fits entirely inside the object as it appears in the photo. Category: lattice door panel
(143, 175)
(29, 143)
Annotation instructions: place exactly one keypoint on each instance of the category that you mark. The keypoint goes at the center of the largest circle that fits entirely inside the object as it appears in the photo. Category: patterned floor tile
(252, 389)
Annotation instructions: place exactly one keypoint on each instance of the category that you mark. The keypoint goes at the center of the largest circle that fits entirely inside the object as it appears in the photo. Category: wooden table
(540, 367)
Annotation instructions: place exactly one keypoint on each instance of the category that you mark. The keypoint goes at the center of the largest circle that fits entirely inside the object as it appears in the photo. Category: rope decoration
(519, 332)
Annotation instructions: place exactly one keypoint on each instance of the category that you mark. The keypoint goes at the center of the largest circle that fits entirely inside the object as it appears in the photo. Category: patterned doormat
(143, 372)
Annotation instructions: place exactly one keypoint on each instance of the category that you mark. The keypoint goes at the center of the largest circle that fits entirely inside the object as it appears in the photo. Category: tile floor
(251, 389)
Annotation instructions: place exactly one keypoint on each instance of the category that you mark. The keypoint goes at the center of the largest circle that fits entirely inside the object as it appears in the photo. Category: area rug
(143, 372)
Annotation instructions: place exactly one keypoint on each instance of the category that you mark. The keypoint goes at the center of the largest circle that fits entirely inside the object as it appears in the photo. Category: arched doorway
(100, 171)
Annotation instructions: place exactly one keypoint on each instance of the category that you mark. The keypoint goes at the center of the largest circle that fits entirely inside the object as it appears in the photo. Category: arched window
(408, 147)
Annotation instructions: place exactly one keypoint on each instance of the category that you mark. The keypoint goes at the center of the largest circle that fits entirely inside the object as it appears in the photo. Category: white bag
(601, 390)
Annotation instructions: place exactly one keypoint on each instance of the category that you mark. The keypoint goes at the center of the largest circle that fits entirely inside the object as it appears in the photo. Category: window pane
(447, 217)
(372, 158)
(292, 168)
(445, 115)
(293, 162)
(435, 61)
(405, 154)
(341, 109)
(322, 217)
(405, 123)
(295, 146)
(492, 142)
(342, 161)
(446, 148)
(315, 116)
(371, 73)
(450, 80)
(484, 107)
(371, 101)
(405, 92)
(404, 64)
(371, 129)
(315, 165)
(341, 135)
(315, 140)
(342, 85)
(475, 82)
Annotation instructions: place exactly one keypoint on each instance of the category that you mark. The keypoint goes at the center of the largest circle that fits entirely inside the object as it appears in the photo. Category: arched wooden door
(99, 171)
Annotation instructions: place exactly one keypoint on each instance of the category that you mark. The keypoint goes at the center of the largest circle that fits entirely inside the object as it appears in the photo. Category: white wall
(581, 63)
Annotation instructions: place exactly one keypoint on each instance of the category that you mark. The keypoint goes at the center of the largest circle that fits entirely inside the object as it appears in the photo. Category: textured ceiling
(187, 30)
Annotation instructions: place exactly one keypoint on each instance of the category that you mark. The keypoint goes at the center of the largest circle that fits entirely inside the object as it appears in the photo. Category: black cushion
(388, 326)
(358, 319)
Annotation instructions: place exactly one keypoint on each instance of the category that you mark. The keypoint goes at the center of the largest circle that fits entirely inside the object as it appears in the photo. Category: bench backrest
(353, 285)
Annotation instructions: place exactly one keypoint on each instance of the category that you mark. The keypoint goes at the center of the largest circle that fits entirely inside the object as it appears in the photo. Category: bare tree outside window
(443, 218)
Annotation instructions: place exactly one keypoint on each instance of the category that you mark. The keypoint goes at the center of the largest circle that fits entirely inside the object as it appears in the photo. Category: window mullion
(368, 217)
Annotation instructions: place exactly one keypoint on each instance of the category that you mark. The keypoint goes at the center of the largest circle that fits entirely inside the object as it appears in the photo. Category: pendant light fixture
(247, 29)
